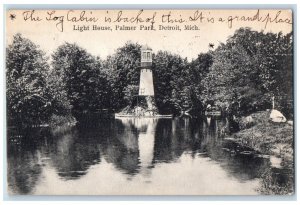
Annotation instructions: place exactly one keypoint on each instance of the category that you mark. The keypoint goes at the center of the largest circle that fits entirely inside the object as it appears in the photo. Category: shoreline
(269, 138)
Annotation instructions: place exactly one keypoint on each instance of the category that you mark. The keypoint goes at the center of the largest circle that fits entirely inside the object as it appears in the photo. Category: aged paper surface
(171, 28)
(150, 102)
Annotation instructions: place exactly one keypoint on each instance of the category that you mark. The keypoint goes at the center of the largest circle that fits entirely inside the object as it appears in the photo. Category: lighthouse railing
(146, 64)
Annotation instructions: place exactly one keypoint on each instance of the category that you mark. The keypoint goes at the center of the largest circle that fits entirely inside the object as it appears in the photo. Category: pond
(130, 156)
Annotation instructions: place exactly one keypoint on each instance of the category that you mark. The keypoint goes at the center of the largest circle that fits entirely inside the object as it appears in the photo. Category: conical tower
(146, 78)
(146, 87)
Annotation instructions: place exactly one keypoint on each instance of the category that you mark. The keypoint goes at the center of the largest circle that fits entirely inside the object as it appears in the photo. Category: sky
(44, 27)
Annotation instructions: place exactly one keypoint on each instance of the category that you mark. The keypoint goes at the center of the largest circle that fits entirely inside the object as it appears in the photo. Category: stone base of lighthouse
(147, 107)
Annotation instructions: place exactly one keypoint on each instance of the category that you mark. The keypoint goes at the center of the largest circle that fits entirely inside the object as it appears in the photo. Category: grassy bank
(268, 137)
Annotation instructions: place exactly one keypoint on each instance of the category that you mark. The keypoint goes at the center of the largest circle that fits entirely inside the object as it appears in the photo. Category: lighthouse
(146, 88)
(145, 101)
(146, 77)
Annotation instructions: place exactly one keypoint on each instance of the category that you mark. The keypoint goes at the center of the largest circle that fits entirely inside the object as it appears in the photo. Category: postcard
(150, 102)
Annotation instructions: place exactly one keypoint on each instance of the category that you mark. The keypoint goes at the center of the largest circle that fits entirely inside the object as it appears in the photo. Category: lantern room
(146, 56)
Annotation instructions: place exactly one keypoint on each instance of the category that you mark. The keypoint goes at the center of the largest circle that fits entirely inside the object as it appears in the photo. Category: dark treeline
(240, 76)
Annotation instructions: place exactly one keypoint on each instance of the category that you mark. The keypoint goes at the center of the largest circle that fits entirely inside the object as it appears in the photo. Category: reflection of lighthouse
(144, 142)
(146, 146)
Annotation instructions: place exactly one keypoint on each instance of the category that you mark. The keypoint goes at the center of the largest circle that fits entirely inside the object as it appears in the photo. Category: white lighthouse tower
(146, 88)
(146, 78)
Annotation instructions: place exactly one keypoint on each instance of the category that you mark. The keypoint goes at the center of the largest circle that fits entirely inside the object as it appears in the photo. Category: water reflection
(72, 154)
(138, 138)
(133, 156)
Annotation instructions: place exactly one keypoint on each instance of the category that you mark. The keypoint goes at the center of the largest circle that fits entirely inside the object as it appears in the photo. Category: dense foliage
(29, 98)
(240, 76)
(123, 74)
(249, 70)
(81, 80)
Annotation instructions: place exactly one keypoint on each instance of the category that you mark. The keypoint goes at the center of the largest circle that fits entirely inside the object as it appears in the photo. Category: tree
(29, 100)
(170, 81)
(130, 94)
(123, 72)
(80, 75)
(198, 70)
(250, 68)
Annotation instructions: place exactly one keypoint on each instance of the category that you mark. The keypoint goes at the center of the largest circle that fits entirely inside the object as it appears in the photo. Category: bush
(59, 120)
(246, 122)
